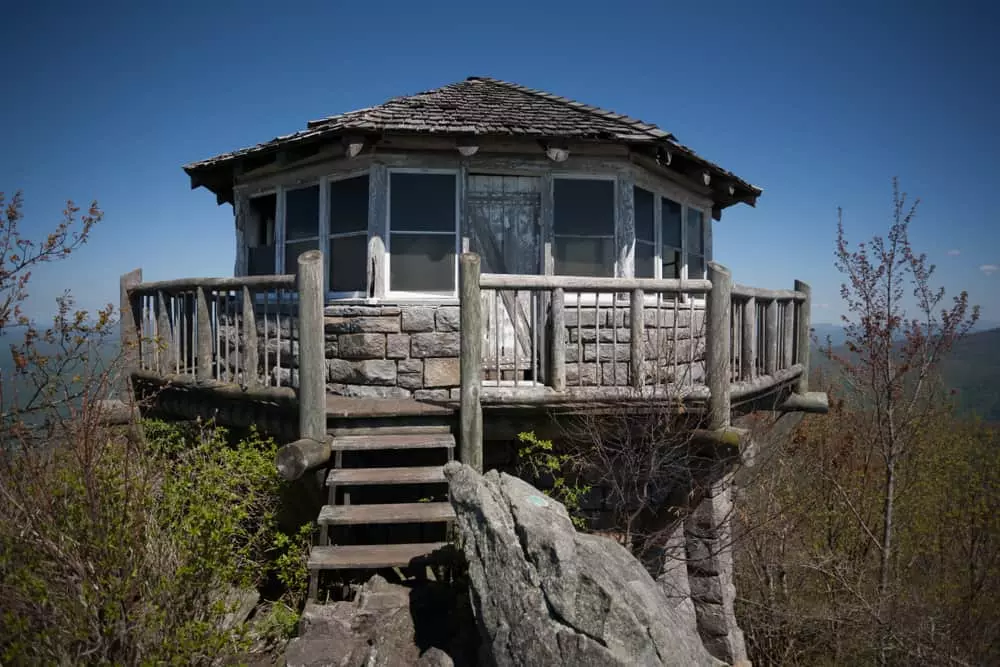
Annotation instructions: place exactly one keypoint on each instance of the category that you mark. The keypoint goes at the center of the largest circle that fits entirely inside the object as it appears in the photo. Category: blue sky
(820, 105)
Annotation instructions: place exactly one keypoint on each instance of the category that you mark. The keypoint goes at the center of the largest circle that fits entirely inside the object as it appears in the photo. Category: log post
(803, 335)
(718, 312)
(164, 333)
(470, 362)
(788, 344)
(637, 339)
(771, 336)
(296, 458)
(312, 365)
(748, 355)
(557, 362)
(131, 319)
(204, 316)
(250, 360)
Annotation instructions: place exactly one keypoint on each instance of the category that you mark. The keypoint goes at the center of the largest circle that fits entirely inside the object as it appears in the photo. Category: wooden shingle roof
(482, 107)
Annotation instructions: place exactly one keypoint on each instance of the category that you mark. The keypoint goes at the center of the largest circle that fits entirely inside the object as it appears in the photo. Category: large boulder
(545, 594)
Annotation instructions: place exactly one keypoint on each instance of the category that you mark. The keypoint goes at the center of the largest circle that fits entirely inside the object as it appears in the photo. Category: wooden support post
(250, 360)
(803, 336)
(771, 336)
(637, 339)
(718, 313)
(312, 364)
(788, 344)
(164, 334)
(131, 320)
(557, 362)
(470, 361)
(205, 337)
(748, 339)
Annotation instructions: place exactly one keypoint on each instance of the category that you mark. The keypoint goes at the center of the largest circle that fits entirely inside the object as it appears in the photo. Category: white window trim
(406, 295)
(325, 229)
(589, 298)
(284, 221)
(245, 249)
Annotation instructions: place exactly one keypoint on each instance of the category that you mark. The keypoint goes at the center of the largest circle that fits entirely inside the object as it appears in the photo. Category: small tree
(895, 341)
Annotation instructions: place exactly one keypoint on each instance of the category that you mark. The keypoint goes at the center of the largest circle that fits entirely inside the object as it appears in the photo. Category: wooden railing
(580, 337)
(240, 335)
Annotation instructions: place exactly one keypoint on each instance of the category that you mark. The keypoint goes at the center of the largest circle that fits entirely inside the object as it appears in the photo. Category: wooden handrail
(761, 294)
(238, 283)
(588, 284)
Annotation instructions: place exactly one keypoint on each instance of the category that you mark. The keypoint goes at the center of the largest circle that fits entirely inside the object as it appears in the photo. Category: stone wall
(605, 336)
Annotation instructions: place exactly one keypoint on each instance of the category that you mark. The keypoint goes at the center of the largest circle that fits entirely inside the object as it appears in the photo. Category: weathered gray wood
(381, 476)
(637, 342)
(279, 395)
(250, 353)
(788, 332)
(297, 458)
(771, 337)
(378, 229)
(592, 284)
(131, 318)
(470, 362)
(312, 344)
(204, 315)
(375, 556)
(164, 334)
(557, 360)
(547, 223)
(189, 284)
(803, 335)
(748, 340)
(718, 313)
(625, 225)
(767, 294)
(341, 515)
(764, 383)
(379, 441)
(814, 402)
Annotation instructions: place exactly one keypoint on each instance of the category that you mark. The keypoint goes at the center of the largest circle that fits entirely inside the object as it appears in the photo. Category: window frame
(409, 295)
(328, 236)
(615, 222)
(245, 249)
(284, 190)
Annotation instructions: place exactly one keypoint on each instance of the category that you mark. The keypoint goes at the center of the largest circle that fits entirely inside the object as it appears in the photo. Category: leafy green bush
(116, 551)
(537, 461)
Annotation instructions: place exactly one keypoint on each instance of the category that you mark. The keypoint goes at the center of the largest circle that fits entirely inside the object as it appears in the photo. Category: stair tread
(372, 476)
(372, 556)
(393, 441)
(335, 515)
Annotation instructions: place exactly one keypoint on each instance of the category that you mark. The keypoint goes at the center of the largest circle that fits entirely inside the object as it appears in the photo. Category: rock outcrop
(546, 595)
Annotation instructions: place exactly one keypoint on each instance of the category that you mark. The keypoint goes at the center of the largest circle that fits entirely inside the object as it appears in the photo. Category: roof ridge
(635, 123)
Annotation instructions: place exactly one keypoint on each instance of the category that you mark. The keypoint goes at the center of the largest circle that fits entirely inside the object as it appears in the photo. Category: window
(695, 243)
(645, 234)
(347, 251)
(301, 224)
(671, 232)
(423, 238)
(259, 235)
(584, 227)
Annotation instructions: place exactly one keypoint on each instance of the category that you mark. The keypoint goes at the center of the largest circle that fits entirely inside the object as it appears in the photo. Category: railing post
(748, 353)
(637, 339)
(771, 337)
(718, 312)
(470, 362)
(204, 315)
(803, 335)
(787, 345)
(557, 368)
(250, 377)
(312, 368)
(130, 319)
(164, 333)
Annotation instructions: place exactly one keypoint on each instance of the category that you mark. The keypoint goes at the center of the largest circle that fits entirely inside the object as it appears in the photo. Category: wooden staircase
(390, 469)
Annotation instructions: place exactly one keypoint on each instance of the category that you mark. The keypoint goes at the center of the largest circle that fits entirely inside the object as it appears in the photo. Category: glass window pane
(584, 257)
(696, 236)
(422, 202)
(293, 250)
(671, 223)
(349, 263)
(696, 266)
(349, 205)
(422, 263)
(302, 212)
(260, 260)
(645, 262)
(584, 207)
(671, 263)
(644, 225)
